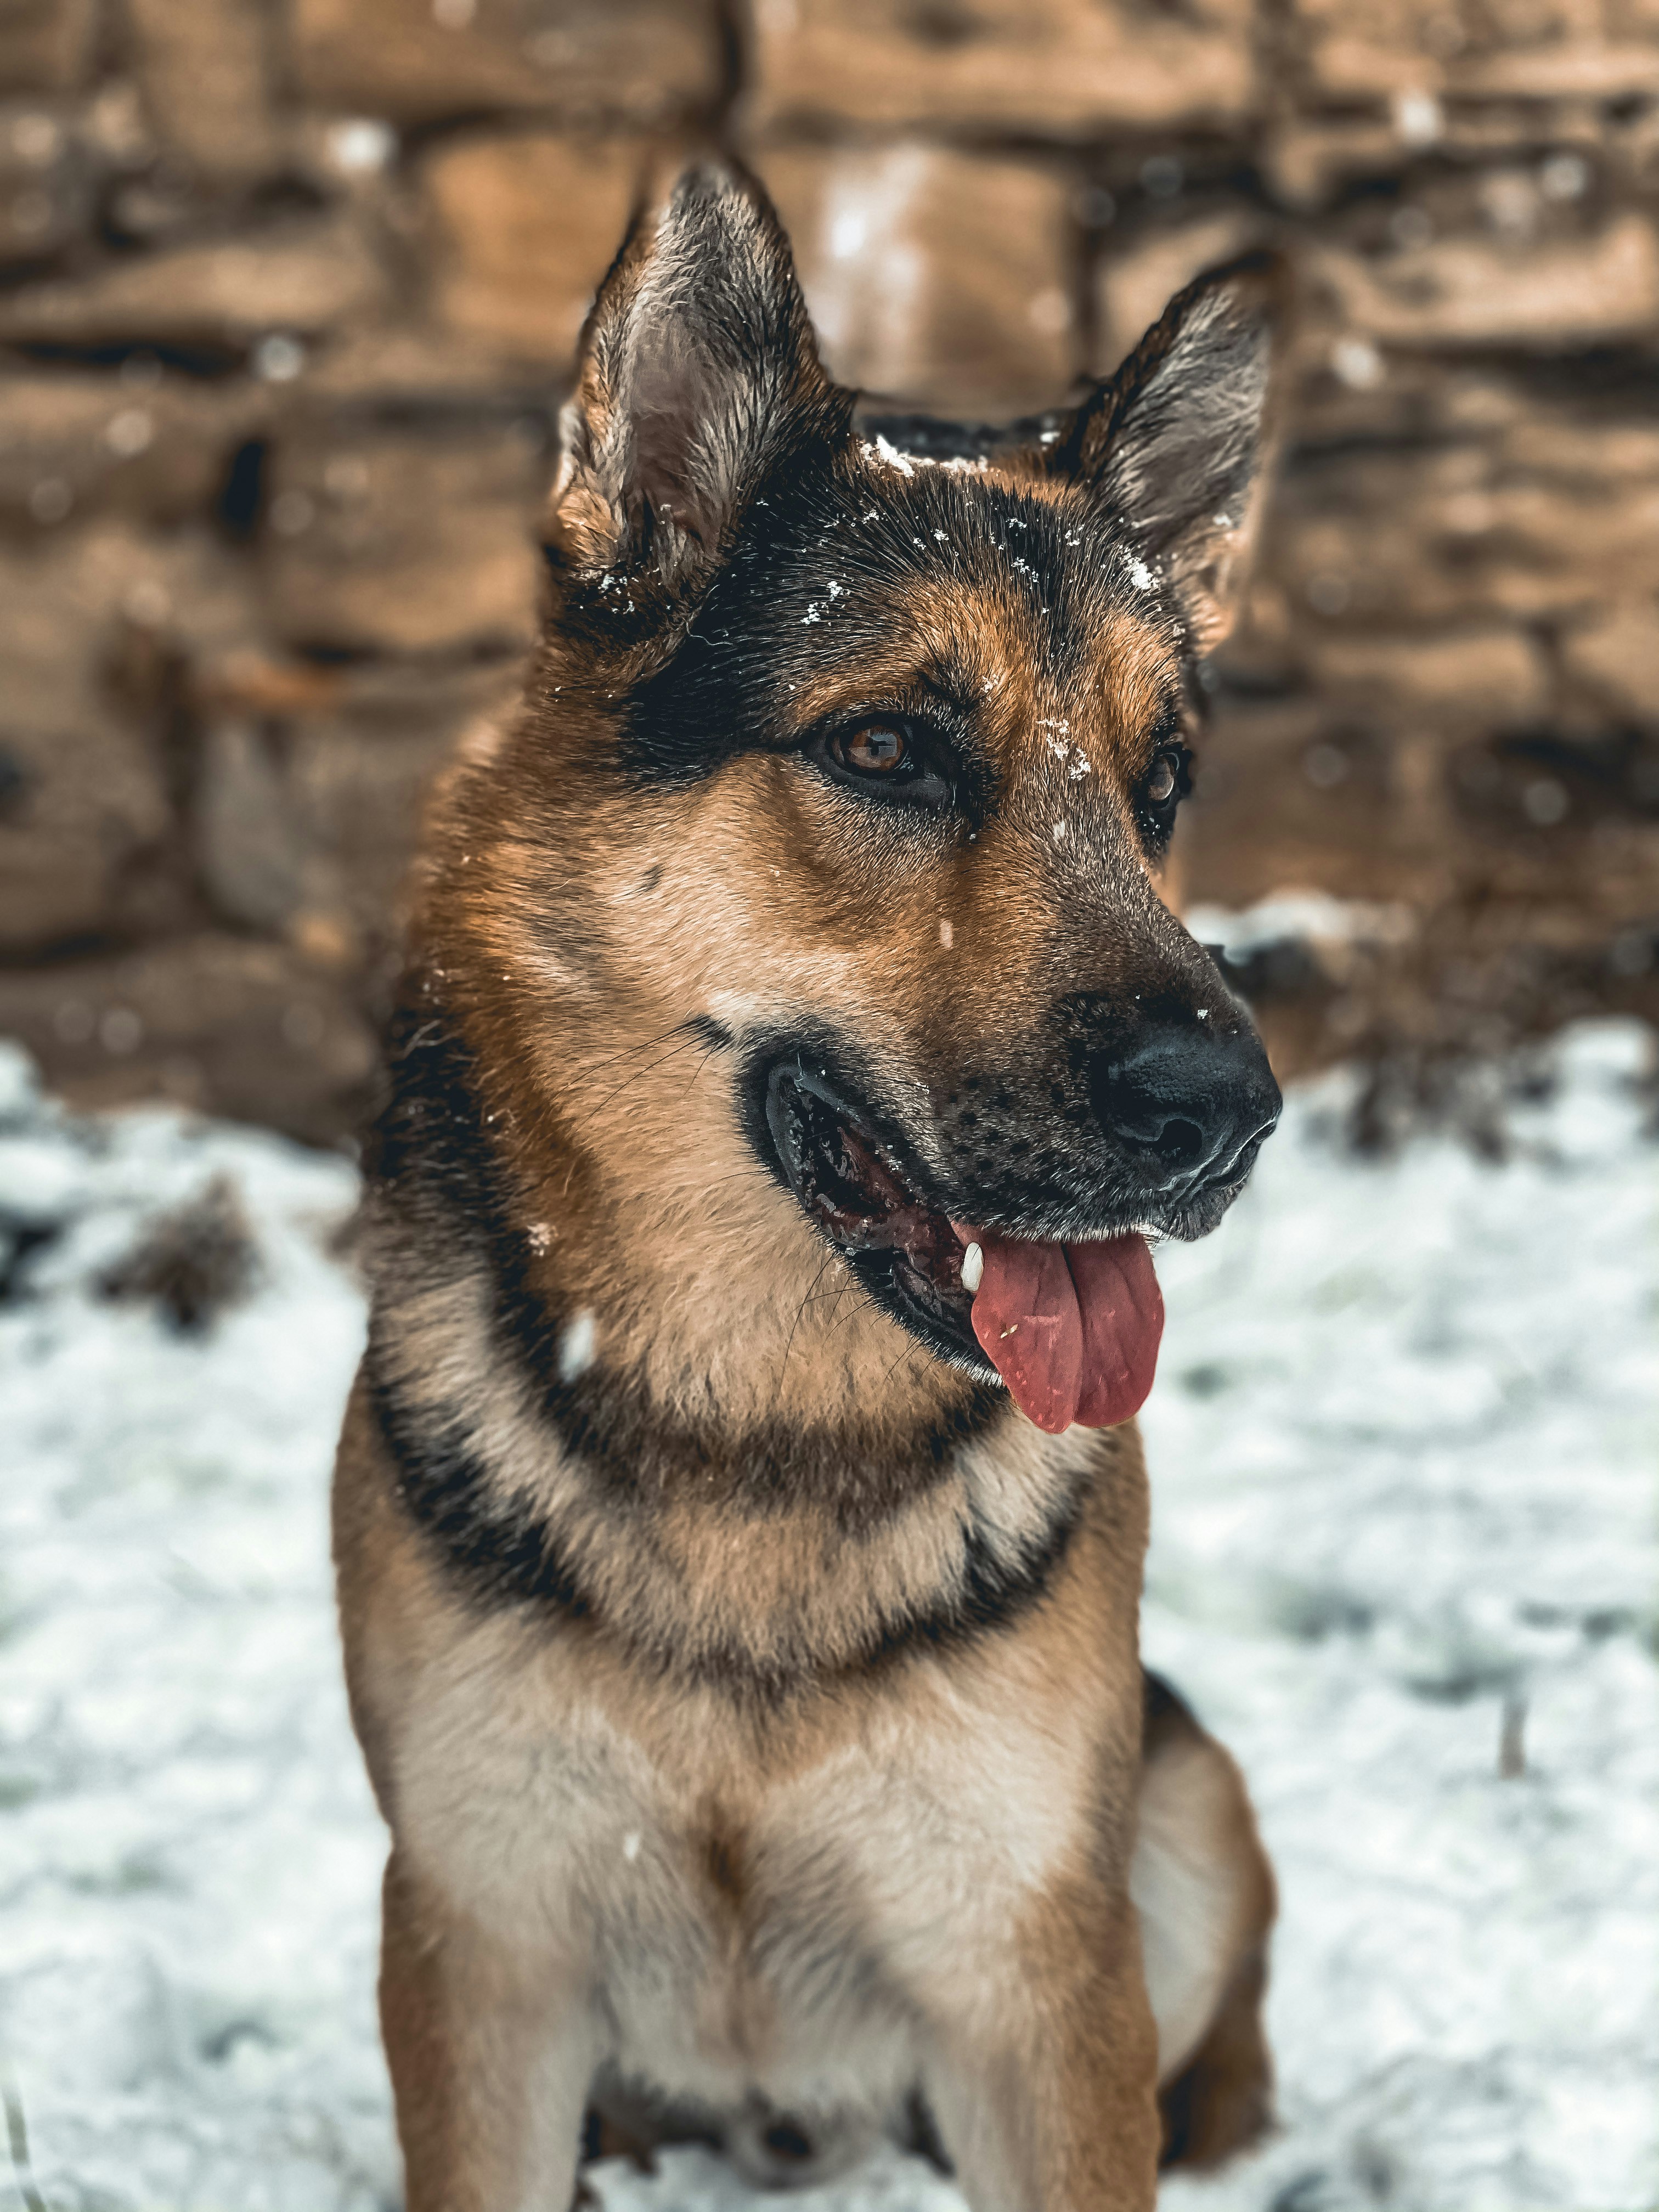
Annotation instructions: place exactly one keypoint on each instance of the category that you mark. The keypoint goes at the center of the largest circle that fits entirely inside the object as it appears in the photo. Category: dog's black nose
(1186, 1105)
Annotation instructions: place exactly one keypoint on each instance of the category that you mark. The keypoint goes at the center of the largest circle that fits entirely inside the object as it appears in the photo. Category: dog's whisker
(795, 1324)
(639, 1073)
(630, 1051)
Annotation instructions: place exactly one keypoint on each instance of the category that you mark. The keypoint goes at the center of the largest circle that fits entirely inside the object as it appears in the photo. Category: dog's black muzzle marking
(871, 1202)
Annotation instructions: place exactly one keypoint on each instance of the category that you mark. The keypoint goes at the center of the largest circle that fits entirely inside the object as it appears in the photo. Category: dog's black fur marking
(994, 1594)
(501, 1552)
(714, 1034)
(498, 1551)
(770, 622)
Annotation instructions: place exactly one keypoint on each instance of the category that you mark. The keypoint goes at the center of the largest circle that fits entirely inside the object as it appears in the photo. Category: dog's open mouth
(1072, 1328)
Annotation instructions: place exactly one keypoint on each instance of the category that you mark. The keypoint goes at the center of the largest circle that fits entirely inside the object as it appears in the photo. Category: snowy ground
(1404, 1443)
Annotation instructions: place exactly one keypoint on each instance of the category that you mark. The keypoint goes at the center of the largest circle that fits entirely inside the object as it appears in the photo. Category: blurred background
(290, 289)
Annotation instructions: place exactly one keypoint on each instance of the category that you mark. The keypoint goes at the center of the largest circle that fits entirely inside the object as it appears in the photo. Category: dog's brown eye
(876, 750)
(1162, 783)
(884, 758)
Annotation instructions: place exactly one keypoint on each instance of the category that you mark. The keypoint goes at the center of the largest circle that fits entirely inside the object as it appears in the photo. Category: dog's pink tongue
(1073, 1329)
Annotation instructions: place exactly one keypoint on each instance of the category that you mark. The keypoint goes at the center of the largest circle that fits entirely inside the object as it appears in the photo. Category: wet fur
(753, 1695)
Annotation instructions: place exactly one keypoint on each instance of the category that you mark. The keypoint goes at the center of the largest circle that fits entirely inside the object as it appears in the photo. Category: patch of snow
(576, 1346)
(360, 145)
(1357, 363)
(888, 455)
(1314, 917)
(904, 463)
(1403, 1455)
(189, 1854)
(1418, 118)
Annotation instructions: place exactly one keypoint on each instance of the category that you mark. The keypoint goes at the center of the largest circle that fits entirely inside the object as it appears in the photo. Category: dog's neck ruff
(760, 1558)
(779, 1557)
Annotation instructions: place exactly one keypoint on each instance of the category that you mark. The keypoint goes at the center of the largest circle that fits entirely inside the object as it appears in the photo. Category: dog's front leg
(1044, 2081)
(491, 2054)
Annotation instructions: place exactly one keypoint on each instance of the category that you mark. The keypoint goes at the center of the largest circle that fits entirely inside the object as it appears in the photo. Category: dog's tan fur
(755, 1697)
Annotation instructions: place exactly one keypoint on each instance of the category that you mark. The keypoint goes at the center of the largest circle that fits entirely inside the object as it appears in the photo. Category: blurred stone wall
(287, 294)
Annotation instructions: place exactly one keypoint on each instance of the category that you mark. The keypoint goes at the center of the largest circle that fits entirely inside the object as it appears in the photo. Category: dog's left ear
(1178, 439)
(697, 373)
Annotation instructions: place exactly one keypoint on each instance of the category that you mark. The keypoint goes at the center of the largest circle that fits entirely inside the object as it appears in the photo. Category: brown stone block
(391, 543)
(60, 612)
(1349, 389)
(1389, 49)
(95, 625)
(305, 278)
(82, 806)
(1405, 51)
(73, 600)
(305, 827)
(1589, 69)
(937, 278)
(254, 861)
(46, 45)
(1307, 159)
(1576, 552)
(1493, 675)
(204, 71)
(381, 365)
(72, 444)
(1070, 66)
(635, 61)
(1290, 797)
(1614, 660)
(358, 794)
(305, 819)
(1464, 532)
(214, 1022)
(524, 225)
(1344, 59)
(46, 181)
(1483, 291)
(1596, 456)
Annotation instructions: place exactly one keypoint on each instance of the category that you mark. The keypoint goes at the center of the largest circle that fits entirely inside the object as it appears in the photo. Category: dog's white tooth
(973, 1268)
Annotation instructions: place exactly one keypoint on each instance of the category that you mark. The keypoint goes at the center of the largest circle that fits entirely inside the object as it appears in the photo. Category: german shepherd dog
(739, 1517)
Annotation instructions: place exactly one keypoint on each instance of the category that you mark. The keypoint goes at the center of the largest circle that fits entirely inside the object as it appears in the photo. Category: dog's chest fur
(763, 1899)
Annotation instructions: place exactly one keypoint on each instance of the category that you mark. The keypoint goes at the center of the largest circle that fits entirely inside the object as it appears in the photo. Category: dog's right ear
(697, 371)
(1176, 441)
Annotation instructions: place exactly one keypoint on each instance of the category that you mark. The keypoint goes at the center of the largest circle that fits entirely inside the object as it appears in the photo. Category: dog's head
(812, 895)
